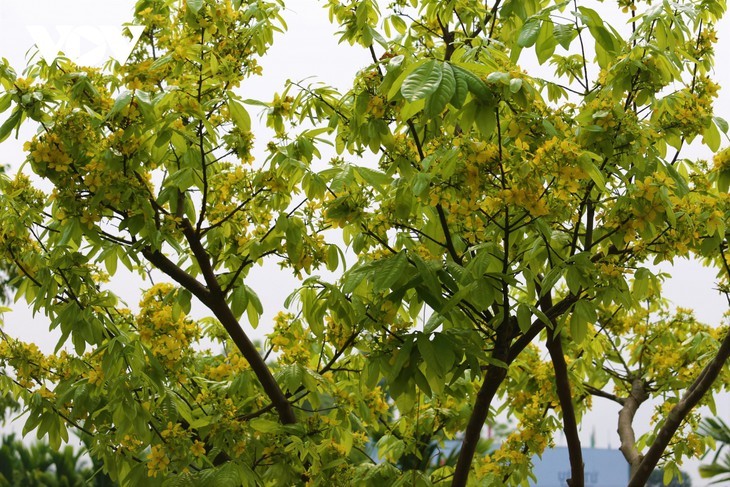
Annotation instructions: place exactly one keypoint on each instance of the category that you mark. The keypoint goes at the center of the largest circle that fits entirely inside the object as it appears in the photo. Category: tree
(503, 242)
(40, 465)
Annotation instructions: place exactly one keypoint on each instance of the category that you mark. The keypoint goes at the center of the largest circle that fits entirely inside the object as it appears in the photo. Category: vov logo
(86, 45)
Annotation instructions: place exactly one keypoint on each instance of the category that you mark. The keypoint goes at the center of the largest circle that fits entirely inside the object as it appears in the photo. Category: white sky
(308, 49)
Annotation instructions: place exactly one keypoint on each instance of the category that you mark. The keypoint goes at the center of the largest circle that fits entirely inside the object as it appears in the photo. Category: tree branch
(570, 427)
(679, 412)
(213, 297)
(159, 260)
(447, 234)
(625, 423)
(493, 378)
(594, 391)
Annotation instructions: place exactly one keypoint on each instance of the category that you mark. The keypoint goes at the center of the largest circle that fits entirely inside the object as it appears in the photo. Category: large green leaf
(477, 87)
(423, 81)
(387, 271)
(122, 101)
(564, 34)
(461, 88)
(528, 33)
(10, 124)
(239, 301)
(239, 115)
(443, 94)
(546, 42)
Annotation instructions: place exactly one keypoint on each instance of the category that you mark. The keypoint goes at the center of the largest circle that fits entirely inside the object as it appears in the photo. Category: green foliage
(40, 465)
(719, 431)
(657, 480)
(505, 210)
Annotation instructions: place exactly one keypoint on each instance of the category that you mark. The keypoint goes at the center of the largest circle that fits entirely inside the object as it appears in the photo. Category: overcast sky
(309, 48)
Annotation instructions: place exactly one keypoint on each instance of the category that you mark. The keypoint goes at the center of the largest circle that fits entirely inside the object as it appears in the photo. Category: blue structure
(603, 468)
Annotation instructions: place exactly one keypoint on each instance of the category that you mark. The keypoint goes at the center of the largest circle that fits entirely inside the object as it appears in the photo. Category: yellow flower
(157, 461)
(198, 449)
(96, 377)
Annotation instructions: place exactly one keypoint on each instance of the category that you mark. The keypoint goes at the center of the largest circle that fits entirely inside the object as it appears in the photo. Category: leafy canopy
(503, 243)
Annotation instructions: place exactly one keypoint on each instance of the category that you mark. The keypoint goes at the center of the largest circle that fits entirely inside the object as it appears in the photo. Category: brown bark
(570, 426)
(493, 378)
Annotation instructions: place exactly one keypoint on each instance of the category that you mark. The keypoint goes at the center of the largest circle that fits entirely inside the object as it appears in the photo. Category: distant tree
(39, 465)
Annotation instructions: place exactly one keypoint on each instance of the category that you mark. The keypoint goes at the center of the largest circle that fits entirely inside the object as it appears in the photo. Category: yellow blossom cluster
(376, 107)
(337, 332)
(164, 329)
(377, 402)
(48, 151)
(291, 339)
(157, 461)
(687, 110)
(721, 160)
(30, 365)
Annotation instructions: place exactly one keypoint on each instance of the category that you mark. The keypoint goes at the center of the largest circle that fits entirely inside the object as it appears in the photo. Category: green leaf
(458, 297)
(550, 279)
(711, 137)
(524, 316)
(420, 183)
(5, 102)
(423, 81)
(294, 242)
(333, 257)
(120, 103)
(10, 124)
(239, 301)
(578, 328)
(640, 286)
(387, 271)
(721, 124)
(443, 94)
(485, 120)
(461, 88)
(428, 352)
(585, 163)
(585, 310)
(239, 115)
(394, 89)
(254, 308)
(110, 261)
(476, 86)
(564, 34)
(411, 108)
(546, 42)
(194, 6)
(290, 376)
(376, 179)
(529, 32)
(264, 425)
(598, 30)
